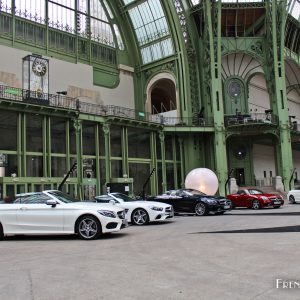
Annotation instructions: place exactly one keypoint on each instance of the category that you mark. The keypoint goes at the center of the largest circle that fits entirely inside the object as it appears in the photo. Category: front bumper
(273, 203)
(219, 207)
(168, 213)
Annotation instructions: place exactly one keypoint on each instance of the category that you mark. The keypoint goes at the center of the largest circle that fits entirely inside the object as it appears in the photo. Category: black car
(193, 201)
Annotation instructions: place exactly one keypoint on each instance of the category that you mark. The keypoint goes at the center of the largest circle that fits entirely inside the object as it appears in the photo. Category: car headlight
(156, 208)
(210, 201)
(264, 198)
(107, 213)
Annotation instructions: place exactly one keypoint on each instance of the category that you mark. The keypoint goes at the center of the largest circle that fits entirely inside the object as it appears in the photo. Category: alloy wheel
(200, 209)
(140, 217)
(255, 204)
(88, 228)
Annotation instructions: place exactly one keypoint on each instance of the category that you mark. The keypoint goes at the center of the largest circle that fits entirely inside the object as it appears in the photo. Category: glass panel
(58, 135)
(58, 166)
(177, 146)
(115, 141)
(159, 178)
(179, 175)
(8, 130)
(294, 9)
(170, 176)
(119, 38)
(72, 138)
(34, 133)
(33, 10)
(139, 173)
(116, 169)
(101, 32)
(88, 139)
(20, 188)
(10, 193)
(138, 143)
(12, 166)
(34, 166)
(97, 10)
(5, 5)
(60, 17)
(158, 147)
(102, 176)
(101, 141)
(168, 147)
(89, 168)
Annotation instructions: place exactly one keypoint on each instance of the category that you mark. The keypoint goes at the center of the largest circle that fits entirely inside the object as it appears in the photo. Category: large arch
(164, 84)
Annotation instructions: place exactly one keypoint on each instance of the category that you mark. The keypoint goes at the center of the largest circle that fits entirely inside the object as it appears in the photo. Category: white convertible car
(138, 212)
(53, 212)
(294, 196)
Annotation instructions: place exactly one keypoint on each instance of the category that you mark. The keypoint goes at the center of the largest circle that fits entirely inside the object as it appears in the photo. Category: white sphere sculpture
(203, 180)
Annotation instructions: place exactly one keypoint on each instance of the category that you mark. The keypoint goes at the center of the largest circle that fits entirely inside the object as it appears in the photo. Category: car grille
(222, 201)
(275, 199)
(169, 209)
(121, 214)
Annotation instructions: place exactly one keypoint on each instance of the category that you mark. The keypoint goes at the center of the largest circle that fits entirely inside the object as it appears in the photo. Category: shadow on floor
(295, 228)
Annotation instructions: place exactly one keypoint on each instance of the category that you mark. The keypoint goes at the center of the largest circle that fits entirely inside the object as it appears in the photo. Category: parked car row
(54, 212)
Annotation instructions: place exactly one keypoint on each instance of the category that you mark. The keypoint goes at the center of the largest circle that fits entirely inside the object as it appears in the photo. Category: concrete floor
(235, 256)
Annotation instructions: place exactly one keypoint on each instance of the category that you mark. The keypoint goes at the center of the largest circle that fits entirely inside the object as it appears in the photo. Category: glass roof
(293, 5)
(151, 29)
(87, 18)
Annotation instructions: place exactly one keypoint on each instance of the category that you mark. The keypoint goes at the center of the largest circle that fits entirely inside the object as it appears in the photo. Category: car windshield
(192, 192)
(255, 192)
(123, 197)
(63, 197)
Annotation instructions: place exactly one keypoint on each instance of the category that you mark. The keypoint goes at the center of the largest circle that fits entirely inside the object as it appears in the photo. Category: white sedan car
(139, 212)
(53, 212)
(294, 196)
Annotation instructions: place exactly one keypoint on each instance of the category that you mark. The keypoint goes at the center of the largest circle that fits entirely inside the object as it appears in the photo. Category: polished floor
(240, 255)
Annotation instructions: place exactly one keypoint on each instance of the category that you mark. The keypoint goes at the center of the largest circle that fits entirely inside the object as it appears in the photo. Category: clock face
(39, 67)
(234, 89)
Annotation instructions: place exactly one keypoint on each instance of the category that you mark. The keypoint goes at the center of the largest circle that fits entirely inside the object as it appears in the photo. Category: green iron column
(97, 142)
(213, 45)
(106, 131)
(278, 16)
(78, 133)
(124, 141)
(163, 160)
(182, 169)
(153, 182)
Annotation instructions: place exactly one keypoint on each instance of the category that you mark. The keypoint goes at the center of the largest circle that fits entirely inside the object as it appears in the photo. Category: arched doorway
(163, 96)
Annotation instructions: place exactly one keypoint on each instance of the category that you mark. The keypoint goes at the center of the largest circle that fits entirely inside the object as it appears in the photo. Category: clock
(36, 79)
(39, 67)
(234, 89)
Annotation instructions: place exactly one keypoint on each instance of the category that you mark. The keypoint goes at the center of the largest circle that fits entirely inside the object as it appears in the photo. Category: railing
(247, 119)
(62, 101)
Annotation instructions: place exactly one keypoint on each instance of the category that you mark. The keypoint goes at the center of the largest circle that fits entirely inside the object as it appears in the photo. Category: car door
(242, 199)
(8, 217)
(185, 203)
(35, 216)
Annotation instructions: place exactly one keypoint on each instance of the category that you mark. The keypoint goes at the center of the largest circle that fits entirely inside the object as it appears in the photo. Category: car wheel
(139, 217)
(201, 209)
(276, 206)
(88, 228)
(255, 204)
(292, 199)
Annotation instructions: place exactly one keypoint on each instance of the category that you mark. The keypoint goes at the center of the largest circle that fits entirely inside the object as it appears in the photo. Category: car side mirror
(51, 202)
(113, 202)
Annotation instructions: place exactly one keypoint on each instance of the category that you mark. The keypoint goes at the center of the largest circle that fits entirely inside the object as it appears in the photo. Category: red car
(255, 199)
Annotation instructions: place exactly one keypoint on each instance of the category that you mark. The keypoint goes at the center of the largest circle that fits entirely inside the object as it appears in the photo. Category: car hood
(96, 205)
(152, 203)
